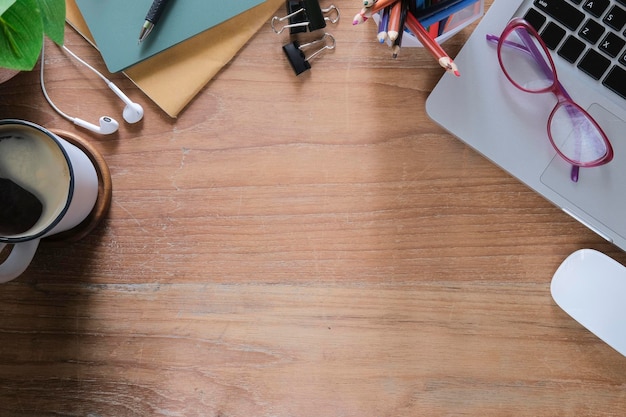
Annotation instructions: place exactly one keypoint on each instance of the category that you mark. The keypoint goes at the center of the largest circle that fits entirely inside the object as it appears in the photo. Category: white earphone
(132, 113)
(106, 125)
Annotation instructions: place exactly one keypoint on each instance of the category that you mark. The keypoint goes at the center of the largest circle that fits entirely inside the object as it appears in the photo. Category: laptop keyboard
(590, 34)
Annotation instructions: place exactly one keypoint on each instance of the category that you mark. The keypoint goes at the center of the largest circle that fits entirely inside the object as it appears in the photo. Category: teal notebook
(115, 25)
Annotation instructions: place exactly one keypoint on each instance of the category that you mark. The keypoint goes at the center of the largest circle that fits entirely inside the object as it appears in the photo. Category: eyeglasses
(526, 62)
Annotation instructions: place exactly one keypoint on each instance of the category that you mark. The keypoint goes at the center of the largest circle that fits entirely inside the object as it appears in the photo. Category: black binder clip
(305, 14)
(295, 54)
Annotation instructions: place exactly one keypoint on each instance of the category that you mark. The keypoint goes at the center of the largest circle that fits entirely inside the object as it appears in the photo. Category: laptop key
(615, 81)
(552, 35)
(535, 18)
(594, 64)
(565, 13)
(615, 18)
(596, 7)
(612, 44)
(591, 31)
(572, 48)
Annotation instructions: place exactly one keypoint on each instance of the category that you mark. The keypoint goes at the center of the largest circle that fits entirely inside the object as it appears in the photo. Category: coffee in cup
(19, 208)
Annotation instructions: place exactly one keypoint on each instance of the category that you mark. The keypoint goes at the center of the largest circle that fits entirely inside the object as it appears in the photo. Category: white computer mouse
(591, 288)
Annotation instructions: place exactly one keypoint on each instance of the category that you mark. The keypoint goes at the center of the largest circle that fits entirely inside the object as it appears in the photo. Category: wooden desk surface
(298, 246)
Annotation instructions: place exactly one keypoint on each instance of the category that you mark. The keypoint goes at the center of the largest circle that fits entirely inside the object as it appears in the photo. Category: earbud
(107, 125)
(133, 112)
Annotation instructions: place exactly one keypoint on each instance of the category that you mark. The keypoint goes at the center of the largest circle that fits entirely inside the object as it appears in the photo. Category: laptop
(508, 126)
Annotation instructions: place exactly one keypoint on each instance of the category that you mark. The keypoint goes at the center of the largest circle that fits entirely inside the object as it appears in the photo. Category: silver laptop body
(508, 126)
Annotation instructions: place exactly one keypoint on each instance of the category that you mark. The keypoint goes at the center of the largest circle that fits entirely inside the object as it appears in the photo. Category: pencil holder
(442, 20)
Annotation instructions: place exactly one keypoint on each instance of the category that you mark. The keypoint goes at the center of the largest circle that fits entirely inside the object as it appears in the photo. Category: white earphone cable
(76, 57)
(98, 73)
(43, 86)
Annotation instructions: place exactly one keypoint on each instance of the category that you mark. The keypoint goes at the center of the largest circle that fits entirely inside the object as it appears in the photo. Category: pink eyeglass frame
(556, 87)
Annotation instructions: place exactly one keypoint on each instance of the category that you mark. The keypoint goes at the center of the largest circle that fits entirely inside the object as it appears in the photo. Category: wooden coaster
(105, 190)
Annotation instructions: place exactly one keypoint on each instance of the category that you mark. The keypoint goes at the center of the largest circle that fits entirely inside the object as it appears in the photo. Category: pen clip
(296, 56)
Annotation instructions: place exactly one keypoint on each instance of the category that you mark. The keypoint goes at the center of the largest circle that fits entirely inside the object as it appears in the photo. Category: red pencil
(431, 44)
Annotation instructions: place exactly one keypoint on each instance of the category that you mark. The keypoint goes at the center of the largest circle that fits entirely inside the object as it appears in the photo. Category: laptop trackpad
(600, 191)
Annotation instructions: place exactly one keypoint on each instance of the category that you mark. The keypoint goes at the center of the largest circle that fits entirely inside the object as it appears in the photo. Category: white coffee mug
(47, 186)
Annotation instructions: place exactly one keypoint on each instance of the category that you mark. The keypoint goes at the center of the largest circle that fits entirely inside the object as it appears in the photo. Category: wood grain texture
(298, 246)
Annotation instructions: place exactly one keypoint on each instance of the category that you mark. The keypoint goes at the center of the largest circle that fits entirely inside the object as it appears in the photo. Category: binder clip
(305, 14)
(295, 54)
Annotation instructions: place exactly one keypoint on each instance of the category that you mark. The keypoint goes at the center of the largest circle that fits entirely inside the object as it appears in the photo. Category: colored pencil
(382, 25)
(440, 11)
(394, 21)
(431, 45)
(367, 12)
(404, 9)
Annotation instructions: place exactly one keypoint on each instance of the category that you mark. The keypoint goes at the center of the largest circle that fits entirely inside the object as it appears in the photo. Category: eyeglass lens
(525, 62)
(575, 136)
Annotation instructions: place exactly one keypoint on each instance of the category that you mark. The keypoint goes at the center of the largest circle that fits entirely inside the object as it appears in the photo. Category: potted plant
(23, 24)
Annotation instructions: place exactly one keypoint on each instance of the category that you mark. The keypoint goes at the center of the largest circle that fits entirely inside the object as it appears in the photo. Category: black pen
(152, 17)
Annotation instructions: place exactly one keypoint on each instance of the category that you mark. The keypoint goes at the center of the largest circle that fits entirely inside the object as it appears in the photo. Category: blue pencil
(442, 26)
(382, 25)
(441, 11)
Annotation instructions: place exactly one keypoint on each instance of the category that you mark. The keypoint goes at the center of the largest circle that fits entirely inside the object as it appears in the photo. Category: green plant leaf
(23, 24)
(21, 35)
(53, 15)
(5, 4)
